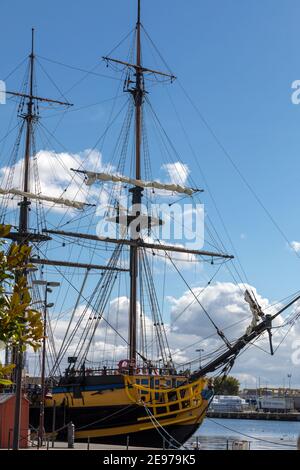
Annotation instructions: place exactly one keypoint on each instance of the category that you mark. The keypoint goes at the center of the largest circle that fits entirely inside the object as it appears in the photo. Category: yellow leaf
(4, 230)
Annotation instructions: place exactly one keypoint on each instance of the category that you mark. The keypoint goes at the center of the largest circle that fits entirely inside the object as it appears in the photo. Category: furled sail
(256, 311)
(42, 197)
(93, 177)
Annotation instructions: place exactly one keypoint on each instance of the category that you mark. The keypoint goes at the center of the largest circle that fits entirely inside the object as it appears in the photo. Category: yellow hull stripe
(196, 419)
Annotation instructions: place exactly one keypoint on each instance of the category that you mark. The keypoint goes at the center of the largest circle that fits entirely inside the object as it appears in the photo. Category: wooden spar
(174, 187)
(140, 68)
(27, 236)
(140, 244)
(70, 264)
(38, 98)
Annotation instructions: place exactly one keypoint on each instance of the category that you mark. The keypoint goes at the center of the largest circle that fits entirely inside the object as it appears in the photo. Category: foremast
(23, 228)
(29, 117)
(22, 236)
(138, 96)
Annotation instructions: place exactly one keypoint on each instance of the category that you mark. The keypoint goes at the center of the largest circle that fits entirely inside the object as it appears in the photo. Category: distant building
(288, 399)
(270, 391)
(228, 403)
(276, 404)
(297, 403)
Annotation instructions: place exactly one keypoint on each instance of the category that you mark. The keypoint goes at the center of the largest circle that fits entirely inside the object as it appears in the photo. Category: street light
(289, 376)
(47, 305)
(199, 351)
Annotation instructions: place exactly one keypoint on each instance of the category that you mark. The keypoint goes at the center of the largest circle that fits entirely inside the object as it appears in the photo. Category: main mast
(138, 95)
(137, 89)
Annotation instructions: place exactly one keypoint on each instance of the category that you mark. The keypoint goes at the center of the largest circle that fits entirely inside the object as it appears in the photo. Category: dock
(84, 446)
(254, 415)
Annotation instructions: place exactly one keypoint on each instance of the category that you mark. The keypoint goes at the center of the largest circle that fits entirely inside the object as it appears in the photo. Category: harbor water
(218, 434)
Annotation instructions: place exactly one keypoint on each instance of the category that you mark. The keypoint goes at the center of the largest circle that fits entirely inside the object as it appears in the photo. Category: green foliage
(227, 386)
(20, 325)
(5, 371)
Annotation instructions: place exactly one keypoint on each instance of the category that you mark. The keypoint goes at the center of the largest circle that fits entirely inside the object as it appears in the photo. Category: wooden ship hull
(142, 410)
(140, 405)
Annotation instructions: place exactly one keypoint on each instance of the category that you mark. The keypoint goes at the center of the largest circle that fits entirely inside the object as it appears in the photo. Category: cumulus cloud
(192, 330)
(55, 177)
(225, 304)
(177, 172)
(295, 246)
(108, 342)
(224, 301)
(180, 260)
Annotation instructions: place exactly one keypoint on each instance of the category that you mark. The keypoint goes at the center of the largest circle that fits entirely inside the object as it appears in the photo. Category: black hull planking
(91, 418)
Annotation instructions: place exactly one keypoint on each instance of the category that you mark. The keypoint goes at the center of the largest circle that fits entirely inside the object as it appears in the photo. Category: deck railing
(164, 402)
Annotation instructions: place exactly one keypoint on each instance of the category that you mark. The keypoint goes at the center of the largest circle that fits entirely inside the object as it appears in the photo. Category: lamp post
(200, 351)
(289, 376)
(48, 289)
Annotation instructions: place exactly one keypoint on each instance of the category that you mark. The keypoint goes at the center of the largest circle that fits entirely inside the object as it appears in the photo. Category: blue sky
(237, 60)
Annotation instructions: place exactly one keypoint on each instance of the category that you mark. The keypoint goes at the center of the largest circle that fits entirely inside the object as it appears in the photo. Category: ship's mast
(23, 228)
(137, 89)
(138, 95)
(22, 235)
(24, 204)
(29, 117)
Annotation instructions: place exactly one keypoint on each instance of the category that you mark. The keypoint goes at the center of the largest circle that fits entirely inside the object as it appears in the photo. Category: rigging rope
(239, 172)
(220, 333)
(170, 440)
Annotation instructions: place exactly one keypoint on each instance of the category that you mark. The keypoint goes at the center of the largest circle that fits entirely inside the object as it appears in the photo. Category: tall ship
(108, 366)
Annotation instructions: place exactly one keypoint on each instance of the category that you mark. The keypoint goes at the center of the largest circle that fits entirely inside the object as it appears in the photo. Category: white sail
(42, 197)
(93, 177)
(256, 311)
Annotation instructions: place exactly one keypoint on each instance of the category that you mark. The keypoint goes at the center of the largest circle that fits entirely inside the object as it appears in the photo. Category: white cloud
(55, 176)
(224, 301)
(177, 172)
(295, 246)
(181, 260)
(225, 304)
(105, 339)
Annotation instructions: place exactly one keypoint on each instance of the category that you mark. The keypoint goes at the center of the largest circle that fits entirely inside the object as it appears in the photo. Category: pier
(271, 416)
